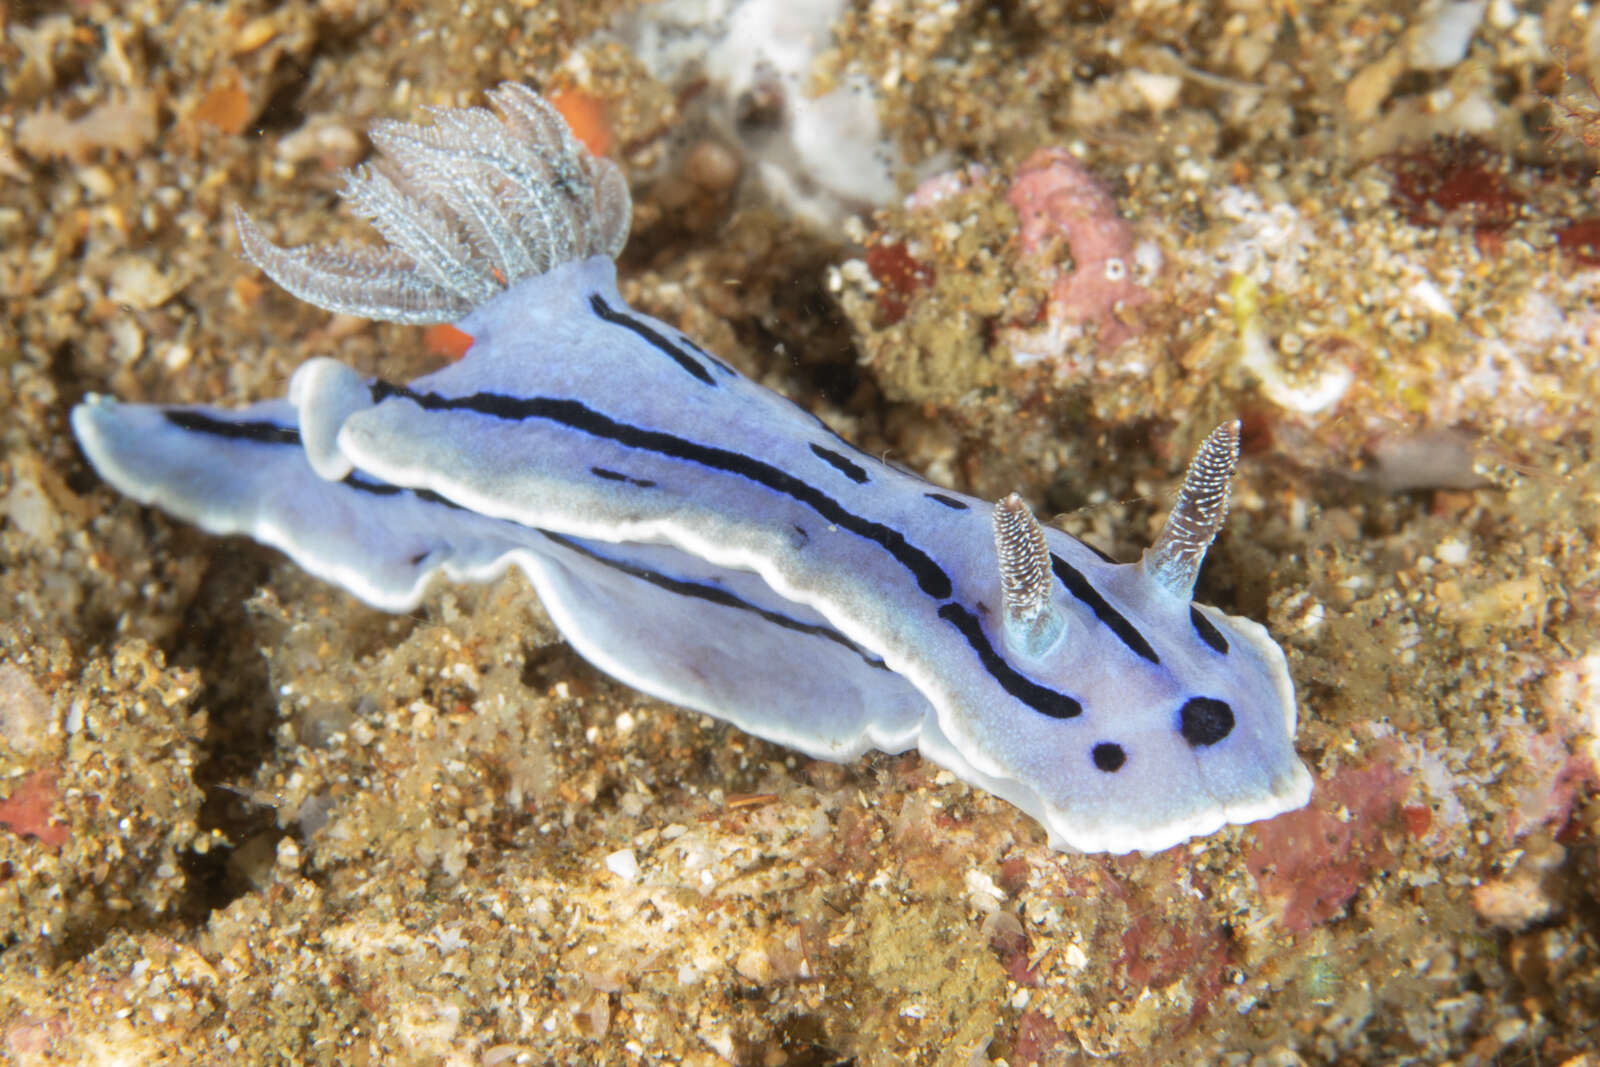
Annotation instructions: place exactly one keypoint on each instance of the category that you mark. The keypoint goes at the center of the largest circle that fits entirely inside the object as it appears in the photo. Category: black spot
(1109, 757)
(850, 470)
(1205, 721)
(948, 501)
(1208, 633)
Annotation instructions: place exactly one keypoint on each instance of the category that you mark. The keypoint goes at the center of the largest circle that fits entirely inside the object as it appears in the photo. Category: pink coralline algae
(1058, 201)
(1039, 1040)
(1315, 860)
(27, 810)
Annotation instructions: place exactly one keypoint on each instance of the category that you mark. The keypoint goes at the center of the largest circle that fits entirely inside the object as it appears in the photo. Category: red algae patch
(1459, 181)
(898, 276)
(27, 809)
(1580, 240)
(1314, 861)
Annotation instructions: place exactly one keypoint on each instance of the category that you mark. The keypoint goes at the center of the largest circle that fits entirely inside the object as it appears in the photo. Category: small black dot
(1109, 757)
(1205, 721)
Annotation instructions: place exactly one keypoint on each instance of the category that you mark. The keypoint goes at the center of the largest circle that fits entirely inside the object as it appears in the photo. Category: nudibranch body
(698, 536)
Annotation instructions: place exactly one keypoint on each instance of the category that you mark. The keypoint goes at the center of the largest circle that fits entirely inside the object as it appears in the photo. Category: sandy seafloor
(250, 821)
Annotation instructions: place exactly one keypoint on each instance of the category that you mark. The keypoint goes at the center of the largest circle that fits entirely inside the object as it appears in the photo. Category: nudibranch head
(1181, 717)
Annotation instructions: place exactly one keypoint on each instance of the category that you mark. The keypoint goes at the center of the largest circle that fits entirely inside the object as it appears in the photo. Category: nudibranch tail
(1174, 560)
(469, 206)
(1032, 626)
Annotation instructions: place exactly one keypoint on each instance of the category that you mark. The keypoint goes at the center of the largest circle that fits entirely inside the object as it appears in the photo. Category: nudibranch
(701, 538)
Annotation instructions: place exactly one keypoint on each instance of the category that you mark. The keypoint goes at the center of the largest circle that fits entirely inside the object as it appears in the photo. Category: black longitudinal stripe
(843, 441)
(270, 433)
(367, 485)
(930, 577)
(699, 590)
(1208, 633)
(702, 352)
(840, 464)
(644, 330)
(716, 595)
(1104, 558)
(260, 431)
(948, 501)
(355, 481)
(1079, 587)
(1044, 701)
(618, 476)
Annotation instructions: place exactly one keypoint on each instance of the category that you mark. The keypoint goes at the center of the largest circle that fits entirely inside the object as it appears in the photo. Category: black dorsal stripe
(700, 591)
(260, 431)
(930, 577)
(1208, 633)
(367, 485)
(840, 464)
(1041, 699)
(270, 433)
(1079, 587)
(948, 501)
(618, 476)
(713, 594)
(700, 351)
(1104, 558)
(649, 334)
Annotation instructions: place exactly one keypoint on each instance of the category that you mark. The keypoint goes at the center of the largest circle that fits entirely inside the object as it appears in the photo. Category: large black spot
(1108, 757)
(1205, 721)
